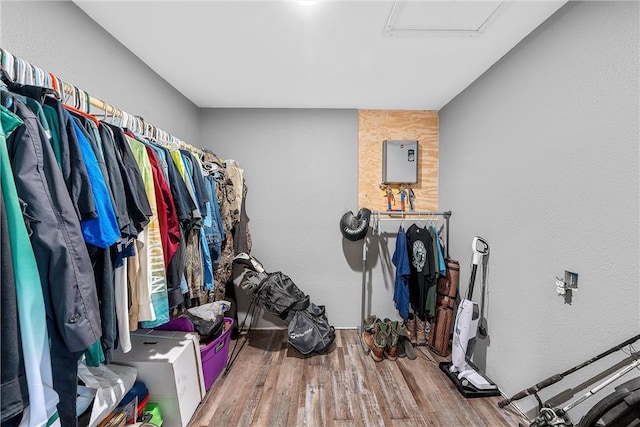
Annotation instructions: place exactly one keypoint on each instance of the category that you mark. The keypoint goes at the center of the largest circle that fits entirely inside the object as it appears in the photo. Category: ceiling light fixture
(307, 2)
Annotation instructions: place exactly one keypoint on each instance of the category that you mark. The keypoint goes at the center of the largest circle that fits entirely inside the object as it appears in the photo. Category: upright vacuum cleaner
(467, 378)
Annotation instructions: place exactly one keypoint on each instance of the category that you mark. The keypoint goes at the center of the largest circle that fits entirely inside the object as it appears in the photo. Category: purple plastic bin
(214, 355)
(177, 324)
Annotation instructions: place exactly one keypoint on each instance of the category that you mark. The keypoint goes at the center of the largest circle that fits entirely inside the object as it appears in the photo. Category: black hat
(355, 227)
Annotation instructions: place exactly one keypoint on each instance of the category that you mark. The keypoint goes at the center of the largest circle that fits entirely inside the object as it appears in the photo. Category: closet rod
(410, 213)
(10, 67)
(400, 215)
(116, 112)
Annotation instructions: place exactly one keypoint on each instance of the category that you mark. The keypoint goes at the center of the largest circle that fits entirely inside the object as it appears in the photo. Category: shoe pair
(416, 330)
(405, 347)
(381, 337)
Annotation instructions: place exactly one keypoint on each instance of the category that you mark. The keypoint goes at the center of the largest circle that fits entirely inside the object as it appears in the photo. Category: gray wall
(60, 38)
(540, 156)
(301, 173)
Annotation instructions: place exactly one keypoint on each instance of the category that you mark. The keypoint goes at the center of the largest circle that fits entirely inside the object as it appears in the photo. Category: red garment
(167, 216)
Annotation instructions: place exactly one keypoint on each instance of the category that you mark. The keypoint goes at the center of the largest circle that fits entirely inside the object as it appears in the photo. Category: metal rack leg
(363, 295)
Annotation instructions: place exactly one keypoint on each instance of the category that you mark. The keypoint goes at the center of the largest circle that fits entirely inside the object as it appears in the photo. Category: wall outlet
(571, 280)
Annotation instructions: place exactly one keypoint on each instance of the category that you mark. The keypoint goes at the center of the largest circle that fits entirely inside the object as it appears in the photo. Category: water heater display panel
(400, 161)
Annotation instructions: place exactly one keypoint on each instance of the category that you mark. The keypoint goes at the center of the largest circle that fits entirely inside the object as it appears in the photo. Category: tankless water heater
(400, 161)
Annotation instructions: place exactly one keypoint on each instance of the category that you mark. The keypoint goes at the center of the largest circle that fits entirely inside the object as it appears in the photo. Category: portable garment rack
(376, 218)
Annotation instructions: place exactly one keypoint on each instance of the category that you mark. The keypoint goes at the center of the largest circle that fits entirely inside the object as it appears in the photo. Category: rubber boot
(410, 324)
(376, 341)
(391, 350)
(421, 337)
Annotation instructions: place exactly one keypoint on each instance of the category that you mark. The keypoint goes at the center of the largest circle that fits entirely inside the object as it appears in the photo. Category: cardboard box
(169, 364)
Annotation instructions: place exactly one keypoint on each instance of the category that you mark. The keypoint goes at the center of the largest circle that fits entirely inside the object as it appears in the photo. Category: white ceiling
(385, 54)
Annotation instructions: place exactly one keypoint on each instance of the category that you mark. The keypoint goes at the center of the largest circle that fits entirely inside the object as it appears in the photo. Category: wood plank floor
(271, 384)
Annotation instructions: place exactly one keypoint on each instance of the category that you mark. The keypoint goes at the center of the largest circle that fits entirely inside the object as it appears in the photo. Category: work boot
(421, 337)
(376, 341)
(370, 323)
(391, 350)
(410, 324)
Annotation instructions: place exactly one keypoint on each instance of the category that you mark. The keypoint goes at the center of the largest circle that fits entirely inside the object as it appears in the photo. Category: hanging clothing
(101, 231)
(185, 206)
(51, 116)
(151, 255)
(68, 285)
(103, 267)
(179, 162)
(441, 265)
(230, 215)
(222, 275)
(213, 225)
(234, 186)
(142, 272)
(167, 217)
(241, 235)
(196, 180)
(430, 303)
(401, 286)
(134, 276)
(169, 227)
(14, 393)
(56, 237)
(119, 252)
(138, 207)
(30, 302)
(112, 163)
(420, 250)
(74, 170)
(194, 168)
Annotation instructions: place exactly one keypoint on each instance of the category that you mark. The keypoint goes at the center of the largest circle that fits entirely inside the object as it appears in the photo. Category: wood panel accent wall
(374, 126)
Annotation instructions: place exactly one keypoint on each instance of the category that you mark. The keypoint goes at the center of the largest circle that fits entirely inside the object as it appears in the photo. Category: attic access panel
(400, 161)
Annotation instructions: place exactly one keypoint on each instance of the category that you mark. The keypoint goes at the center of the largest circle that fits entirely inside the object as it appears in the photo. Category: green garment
(54, 124)
(36, 107)
(94, 355)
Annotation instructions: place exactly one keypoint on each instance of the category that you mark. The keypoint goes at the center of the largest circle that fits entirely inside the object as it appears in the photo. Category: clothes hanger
(27, 73)
(8, 66)
(108, 117)
(48, 81)
(419, 222)
(102, 108)
(66, 93)
(85, 105)
(83, 114)
(78, 102)
(56, 84)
